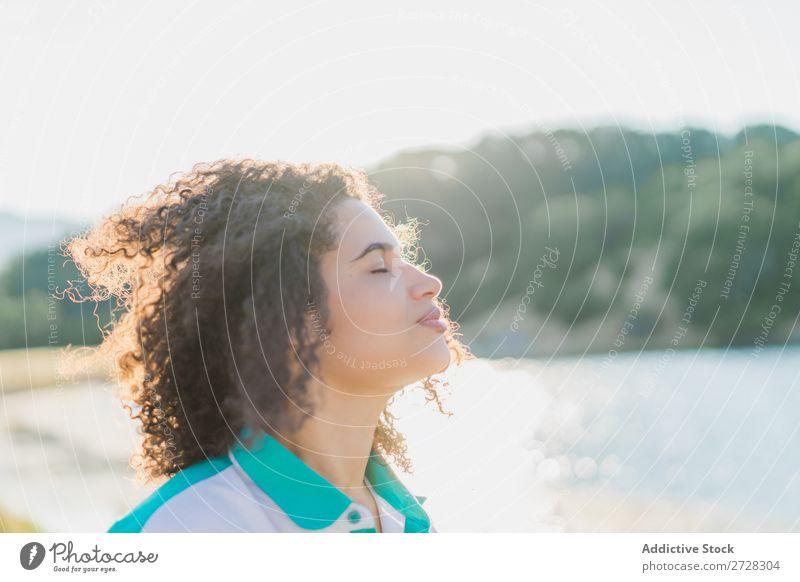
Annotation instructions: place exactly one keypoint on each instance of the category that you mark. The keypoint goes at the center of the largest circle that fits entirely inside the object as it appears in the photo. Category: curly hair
(205, 270)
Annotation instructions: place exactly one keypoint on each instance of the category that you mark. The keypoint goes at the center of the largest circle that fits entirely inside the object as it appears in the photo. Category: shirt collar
(310, 500)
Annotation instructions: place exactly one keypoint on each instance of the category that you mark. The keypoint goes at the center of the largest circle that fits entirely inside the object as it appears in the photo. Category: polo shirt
(267, 488)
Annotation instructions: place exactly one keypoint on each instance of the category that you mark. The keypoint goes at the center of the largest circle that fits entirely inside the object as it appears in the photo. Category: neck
(336, 440)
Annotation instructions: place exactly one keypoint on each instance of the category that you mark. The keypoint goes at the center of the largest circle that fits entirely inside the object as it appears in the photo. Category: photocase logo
(31, 555)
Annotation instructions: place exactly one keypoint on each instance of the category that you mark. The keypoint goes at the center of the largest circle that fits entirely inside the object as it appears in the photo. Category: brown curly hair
(207, 270)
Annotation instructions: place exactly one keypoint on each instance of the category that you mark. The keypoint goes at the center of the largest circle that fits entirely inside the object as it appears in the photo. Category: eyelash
(381, 271)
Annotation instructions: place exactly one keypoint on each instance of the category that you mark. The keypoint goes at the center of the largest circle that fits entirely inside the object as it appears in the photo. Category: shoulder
(421, 500)
(207, 497)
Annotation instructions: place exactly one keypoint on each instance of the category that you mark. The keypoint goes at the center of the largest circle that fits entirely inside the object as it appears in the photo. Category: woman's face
(375, 300)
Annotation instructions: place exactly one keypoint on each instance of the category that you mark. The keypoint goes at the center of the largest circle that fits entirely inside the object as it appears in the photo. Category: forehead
(359, 225)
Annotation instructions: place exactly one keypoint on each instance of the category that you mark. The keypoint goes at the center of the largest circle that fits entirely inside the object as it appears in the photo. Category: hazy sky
(100, 101)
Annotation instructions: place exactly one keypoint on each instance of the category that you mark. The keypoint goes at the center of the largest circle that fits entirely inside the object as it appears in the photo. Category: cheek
(369, 312)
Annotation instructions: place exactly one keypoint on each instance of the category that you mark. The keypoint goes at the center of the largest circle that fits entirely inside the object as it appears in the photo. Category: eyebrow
(373, 247)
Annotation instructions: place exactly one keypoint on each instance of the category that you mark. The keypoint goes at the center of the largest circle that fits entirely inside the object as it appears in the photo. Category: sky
(101, 101)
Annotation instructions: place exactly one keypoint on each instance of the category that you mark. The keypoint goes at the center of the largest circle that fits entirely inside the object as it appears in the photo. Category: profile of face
(375, 301)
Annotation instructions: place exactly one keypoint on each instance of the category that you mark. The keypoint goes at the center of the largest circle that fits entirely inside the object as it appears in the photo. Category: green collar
(310, 500)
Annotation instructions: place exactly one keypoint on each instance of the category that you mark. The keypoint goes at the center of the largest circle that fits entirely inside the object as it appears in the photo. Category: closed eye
(393, 261)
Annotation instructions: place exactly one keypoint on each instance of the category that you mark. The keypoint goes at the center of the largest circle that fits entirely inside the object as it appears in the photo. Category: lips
(434, 313)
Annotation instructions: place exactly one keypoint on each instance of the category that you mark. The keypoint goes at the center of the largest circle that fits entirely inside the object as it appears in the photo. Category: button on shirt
(267, 488)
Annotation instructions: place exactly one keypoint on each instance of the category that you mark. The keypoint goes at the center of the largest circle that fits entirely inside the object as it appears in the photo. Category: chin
(445, 365)
(440, 360)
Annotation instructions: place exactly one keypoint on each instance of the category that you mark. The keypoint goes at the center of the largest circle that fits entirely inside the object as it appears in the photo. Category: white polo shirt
(267, 488)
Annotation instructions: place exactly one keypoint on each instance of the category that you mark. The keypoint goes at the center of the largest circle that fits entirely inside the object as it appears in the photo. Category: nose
(426, 285)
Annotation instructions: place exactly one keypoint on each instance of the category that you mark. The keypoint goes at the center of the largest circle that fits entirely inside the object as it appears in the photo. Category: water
(65, 456)
(684, 441)
(720, 429)
(658, 441)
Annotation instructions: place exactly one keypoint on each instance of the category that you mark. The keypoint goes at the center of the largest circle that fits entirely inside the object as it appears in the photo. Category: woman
(270, 314)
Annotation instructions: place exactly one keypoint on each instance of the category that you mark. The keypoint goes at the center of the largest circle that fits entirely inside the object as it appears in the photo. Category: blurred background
(610, 194)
